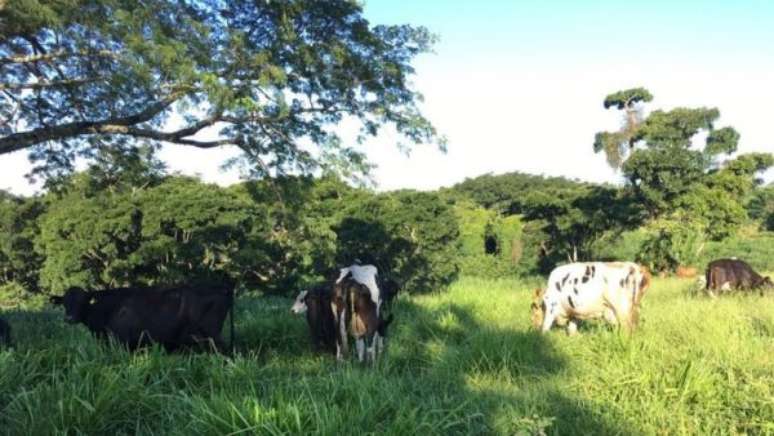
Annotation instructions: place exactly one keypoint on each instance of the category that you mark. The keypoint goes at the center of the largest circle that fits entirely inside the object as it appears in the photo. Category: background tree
(574, 219)
(19, 262)
(411, 236)
(78, 76)
(761, 206)
(616, 145)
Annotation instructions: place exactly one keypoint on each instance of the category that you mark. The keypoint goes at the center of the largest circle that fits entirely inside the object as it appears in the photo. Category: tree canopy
(269, 77)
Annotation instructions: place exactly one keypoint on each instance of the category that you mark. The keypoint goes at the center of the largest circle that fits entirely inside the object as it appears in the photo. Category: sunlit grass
(464, 361)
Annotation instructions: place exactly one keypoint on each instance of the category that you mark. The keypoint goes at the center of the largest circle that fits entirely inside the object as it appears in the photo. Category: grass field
(460, 362)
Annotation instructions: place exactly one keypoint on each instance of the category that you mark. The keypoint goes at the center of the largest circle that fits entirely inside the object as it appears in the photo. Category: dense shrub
(19, 262)
(490, 245)
(179, 231)
(411, 236)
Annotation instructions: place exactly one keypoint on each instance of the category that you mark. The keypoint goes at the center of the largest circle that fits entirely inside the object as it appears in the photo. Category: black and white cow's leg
(361, 349)
(550, 316)
(572, 327)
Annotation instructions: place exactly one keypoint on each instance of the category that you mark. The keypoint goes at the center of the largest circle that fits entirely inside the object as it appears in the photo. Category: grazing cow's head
(74, 301)
(767, 283)
(299, 306)
(537, 309)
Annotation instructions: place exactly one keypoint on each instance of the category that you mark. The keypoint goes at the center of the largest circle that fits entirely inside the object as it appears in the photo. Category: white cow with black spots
(580, 291)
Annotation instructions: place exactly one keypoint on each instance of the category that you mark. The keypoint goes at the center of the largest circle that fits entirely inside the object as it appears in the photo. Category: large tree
(665, 168)
(269, 77)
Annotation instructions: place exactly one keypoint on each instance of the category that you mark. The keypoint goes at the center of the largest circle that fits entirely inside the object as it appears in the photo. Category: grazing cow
(356, 314)
(173, 318)
(727, 274)
(316, 303)
(686, 272)
(580, 291)
(5, 333)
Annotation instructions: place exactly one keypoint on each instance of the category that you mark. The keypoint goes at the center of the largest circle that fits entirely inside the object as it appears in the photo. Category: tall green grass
(460, 362)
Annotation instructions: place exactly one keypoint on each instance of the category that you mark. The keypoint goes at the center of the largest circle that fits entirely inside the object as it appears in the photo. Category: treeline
(130, 225)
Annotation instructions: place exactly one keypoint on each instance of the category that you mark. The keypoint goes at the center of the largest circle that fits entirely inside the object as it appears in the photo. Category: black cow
(316, 303)
(727, 274)
(173, 318)
(388, 290)
(5, 333)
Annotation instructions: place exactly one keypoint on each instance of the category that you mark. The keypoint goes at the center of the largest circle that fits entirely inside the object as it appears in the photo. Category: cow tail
(231, 315)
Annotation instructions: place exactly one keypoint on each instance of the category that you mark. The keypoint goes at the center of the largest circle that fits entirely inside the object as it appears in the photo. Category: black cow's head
(767, 283)
(74, 300)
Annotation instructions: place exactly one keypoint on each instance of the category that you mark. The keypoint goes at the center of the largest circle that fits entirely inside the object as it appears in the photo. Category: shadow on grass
(504, 375)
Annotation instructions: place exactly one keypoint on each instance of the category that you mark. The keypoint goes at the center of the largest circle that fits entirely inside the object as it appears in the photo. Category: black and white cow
(580, 291)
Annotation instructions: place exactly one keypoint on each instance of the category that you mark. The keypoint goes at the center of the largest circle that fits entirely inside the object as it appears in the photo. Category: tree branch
(19, 141)
(44, 57)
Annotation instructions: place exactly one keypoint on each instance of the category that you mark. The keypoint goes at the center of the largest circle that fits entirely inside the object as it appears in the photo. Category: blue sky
(518, 85)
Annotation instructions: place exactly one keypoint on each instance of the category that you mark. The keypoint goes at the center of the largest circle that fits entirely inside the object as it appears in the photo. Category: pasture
(459, 362)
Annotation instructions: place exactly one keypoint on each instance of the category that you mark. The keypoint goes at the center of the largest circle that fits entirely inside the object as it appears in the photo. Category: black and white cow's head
(299, 306)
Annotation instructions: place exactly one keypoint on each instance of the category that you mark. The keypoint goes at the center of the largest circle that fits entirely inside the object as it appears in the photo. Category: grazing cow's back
(5, 333)
(136, 317)
(579, 291)
(727, 274)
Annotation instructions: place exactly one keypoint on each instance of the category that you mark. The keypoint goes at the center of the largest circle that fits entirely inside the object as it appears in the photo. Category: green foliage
(16, 296)
(761, 207)
(625, 99)
(672, 242)
(505, 193)
(411, 236)
(573, 220)
(19, 262)
(86, 75)
(481, 229)
(755, 248)
(178, 231)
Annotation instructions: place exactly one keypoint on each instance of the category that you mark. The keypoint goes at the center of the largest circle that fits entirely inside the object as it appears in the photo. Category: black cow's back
(171, 317)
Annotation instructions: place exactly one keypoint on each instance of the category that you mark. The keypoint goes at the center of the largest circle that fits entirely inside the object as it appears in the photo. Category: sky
(518, 85)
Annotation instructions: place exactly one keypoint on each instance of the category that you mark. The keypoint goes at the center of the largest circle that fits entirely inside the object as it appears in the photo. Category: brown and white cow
(581, 291)
(357, 315)
(727, 274)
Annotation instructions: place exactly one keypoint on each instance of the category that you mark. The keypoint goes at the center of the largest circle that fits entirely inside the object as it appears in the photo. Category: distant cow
(174, 318)
(356, 314)
(727, 274)
(686, 272)
(580, 291)
(316, 303)
(5, 333)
